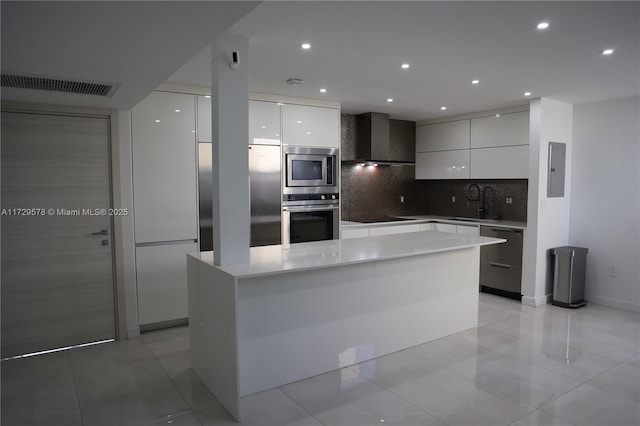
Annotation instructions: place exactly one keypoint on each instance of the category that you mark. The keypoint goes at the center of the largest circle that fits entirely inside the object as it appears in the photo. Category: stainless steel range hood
(373, 142)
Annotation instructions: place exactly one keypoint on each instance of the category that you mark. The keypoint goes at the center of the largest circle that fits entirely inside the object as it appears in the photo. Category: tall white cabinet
(165, 206)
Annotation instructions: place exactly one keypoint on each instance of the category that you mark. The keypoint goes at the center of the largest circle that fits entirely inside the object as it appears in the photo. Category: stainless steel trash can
(568, 278)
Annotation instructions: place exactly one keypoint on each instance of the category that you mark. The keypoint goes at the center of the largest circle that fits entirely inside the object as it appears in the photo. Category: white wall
(605, 206)
(547, 218)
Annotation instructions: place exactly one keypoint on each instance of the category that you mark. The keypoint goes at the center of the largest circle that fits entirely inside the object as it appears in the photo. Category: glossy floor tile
(522, 366)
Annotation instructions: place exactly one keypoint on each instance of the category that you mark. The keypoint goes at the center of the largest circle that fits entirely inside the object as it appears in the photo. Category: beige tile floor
(521, 366)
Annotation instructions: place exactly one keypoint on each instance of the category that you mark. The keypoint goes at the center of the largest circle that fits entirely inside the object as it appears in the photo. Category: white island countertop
(276, 259)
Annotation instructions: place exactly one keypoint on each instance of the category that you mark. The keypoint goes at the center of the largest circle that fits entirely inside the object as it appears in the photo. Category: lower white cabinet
(390, 230)
(347, 234)
(468, 230)
(445, 227)
(428, 226)
(162, 282)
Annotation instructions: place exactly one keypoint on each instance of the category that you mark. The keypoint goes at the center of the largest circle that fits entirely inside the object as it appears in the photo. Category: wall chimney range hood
(373, 141)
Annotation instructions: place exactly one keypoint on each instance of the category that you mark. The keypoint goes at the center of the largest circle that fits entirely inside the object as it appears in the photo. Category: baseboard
(537, 301)
(133, 333)
(612, 303)
(164, 324)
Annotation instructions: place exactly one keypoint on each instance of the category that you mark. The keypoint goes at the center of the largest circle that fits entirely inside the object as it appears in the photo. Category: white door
(57, 268)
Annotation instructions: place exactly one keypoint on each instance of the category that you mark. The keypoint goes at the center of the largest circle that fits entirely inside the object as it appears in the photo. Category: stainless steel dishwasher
(501, 264)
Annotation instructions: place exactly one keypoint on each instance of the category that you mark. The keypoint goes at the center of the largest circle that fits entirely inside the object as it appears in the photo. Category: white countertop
(277, 259)
(436, 218)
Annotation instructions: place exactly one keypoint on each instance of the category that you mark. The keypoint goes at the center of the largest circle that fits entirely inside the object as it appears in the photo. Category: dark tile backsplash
(442, 203)
(369, 192)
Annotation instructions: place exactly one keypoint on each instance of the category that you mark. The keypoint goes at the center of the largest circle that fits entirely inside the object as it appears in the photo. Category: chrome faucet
(477, 198)
(492, 204)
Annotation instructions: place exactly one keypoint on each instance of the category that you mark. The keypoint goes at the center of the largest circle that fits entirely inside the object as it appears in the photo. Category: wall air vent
(58, 85)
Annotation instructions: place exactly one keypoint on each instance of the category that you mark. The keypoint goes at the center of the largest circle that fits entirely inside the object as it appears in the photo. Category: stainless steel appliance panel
(265, 189)
(310, 223)
(310, 170)
(509, 252)
(205, 196)
(501, 276)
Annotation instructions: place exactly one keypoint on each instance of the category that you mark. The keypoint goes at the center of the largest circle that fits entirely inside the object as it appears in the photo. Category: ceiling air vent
(58, 85)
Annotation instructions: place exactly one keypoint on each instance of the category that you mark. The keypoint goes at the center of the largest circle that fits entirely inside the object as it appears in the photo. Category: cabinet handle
(499, 265)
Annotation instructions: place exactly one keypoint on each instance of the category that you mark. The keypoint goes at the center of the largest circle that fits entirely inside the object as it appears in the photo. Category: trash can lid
(570, 250)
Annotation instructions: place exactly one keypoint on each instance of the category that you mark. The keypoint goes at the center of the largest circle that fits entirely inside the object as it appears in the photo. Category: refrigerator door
(205, 203)
(266, 194)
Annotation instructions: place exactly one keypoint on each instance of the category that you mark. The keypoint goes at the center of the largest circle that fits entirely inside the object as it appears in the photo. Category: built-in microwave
(313, 169)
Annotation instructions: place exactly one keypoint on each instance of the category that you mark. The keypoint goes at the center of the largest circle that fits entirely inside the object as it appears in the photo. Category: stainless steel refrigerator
(265, 189)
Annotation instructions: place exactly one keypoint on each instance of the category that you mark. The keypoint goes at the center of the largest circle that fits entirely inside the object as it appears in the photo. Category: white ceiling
(357, 49)
(131, 43)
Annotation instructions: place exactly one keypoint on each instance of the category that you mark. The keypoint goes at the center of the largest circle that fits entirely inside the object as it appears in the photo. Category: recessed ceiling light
(389, 99)
(475, 81)
(308, 133)
(497, 115)
(543, 25)
(299, 121)
(443, 108)
(323, 90)
(527, 93)
(177, 110)
(279, 104)
(607, 51)
(404, 66)
(207, 96)
(264, 127)
(157, 121)
(306, 46)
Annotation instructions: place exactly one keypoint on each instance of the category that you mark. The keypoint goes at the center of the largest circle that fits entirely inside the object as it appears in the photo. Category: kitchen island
(296, 311)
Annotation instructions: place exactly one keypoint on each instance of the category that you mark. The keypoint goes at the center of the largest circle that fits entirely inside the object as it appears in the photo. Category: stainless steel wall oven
(310, 217)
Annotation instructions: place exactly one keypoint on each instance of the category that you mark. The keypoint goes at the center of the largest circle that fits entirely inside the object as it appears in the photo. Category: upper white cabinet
(443, 136)
(507, 162)
(310, 126)
(264, 123)
(164, 167)
(500, 130)
(204, 119)
(491, 147)
(443, 165)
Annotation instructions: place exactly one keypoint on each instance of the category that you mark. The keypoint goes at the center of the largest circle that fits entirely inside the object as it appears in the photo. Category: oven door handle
(310, 208)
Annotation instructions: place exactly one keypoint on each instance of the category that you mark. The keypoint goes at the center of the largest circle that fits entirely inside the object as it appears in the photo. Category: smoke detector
(294, 81)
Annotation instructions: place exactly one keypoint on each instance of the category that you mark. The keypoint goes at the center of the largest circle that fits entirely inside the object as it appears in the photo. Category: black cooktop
(381, 219)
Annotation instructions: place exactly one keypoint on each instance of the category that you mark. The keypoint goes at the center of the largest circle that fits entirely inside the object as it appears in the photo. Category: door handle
(101, 232)
(499, 265)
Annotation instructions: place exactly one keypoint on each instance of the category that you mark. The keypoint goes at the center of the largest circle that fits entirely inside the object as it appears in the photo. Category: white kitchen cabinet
(468, 230)
(442, 165)
(507, 162)
(310, 126)
(442, 136)
(264, 123)
(428, 226)
(203, 131)
(161, 273)
(445, 227)
(503, 130)
(164, 168)
(394, 229)
(347, 234)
